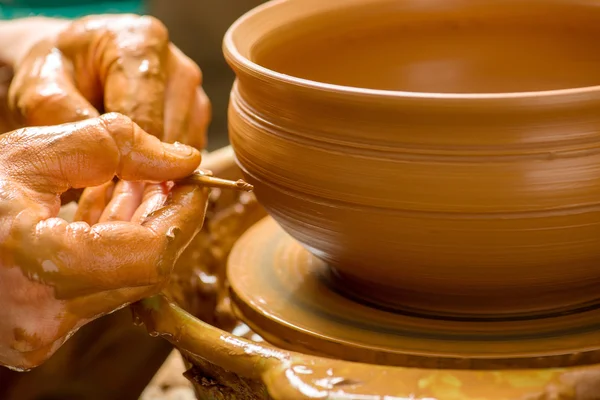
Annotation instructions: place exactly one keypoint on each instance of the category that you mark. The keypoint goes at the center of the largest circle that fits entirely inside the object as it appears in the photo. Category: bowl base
(293, 300)
(468, 303)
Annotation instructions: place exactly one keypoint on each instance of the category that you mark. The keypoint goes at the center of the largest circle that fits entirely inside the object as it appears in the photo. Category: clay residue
(198, 281)
(234, 366)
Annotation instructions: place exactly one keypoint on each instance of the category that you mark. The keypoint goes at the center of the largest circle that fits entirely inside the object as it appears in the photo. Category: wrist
(18, 36)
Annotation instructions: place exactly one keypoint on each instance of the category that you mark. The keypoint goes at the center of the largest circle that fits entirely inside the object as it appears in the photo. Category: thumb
(89, 153)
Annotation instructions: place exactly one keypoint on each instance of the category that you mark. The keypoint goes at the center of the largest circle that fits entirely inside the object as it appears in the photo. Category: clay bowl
(440, 156)
(223, 364)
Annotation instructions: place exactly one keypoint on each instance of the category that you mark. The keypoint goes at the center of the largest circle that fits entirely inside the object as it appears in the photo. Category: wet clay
(198, 283)
(198, 277)
(470, 195)
(47, 295)
(66, 71)
(242, 369)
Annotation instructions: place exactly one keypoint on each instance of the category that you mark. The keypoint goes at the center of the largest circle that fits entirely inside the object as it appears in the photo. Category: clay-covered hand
(56, 276)
(69, 71)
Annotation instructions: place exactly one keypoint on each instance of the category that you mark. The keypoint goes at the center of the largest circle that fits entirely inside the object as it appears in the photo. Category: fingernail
(203, 172)
(179, 149)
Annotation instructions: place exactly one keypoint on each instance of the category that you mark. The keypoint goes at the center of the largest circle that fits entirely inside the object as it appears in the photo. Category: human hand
(57, 276)
(69, 71)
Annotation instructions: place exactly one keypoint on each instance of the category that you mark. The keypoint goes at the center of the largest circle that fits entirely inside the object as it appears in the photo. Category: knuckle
(191, 70)
(31, 101)
(195, 73)
(44, 99)
(121, 129)
(156, 27)
(118, 126)
(115, 119)
(149, 123)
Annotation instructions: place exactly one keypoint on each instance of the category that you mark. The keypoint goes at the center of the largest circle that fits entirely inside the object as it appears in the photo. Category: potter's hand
(68, 71)
(56, 276)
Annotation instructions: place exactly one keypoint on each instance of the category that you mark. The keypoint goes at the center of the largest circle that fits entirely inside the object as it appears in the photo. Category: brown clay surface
(435, 171)
(457, 54)
(230, 367)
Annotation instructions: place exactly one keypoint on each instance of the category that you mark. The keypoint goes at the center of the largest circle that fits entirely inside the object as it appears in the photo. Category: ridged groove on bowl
(495, 193)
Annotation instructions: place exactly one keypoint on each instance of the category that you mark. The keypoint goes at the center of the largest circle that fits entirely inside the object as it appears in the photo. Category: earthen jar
(441, 156)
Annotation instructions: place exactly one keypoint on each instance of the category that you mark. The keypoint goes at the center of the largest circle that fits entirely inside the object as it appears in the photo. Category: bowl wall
(459, 186)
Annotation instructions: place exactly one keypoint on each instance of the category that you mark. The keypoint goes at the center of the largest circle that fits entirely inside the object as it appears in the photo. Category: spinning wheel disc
(289, 297)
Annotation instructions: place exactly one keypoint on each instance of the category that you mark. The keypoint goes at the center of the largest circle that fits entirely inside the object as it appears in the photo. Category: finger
(92, 203)
(89, 153)
(43, 91)
(126, 198)
(200, 119)
(86, 308)
(132, 64)
(155, 197)
(187, 109)
(116, 255)
(184, 77)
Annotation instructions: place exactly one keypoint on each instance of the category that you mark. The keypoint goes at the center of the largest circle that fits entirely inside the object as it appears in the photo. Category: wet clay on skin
(444, 199)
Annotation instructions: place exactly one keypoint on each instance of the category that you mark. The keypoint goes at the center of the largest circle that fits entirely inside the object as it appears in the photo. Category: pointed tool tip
(244, 185)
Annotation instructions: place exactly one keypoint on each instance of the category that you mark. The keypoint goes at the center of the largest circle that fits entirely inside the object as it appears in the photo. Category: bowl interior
(452, 46)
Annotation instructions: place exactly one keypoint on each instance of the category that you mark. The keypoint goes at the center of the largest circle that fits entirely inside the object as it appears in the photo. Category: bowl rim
(232, 54)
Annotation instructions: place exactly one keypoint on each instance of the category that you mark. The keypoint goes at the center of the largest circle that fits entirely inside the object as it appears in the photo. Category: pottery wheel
(289, 297)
